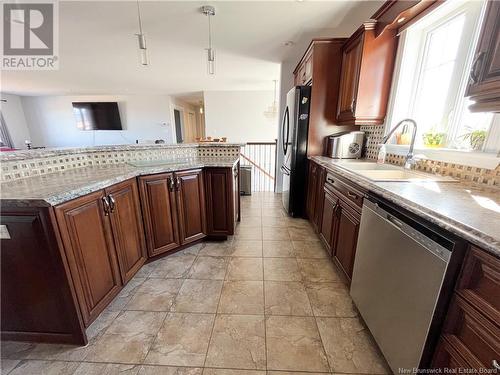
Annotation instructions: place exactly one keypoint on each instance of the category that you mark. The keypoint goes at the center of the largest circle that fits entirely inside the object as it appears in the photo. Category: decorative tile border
(22, 164)
(482, 176)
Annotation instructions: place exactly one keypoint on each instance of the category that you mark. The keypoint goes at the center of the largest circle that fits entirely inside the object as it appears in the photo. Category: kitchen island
(77, 224)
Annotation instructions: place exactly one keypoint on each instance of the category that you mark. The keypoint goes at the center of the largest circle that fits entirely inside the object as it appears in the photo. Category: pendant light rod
(141, 39)
(209, 11)
(139, 17)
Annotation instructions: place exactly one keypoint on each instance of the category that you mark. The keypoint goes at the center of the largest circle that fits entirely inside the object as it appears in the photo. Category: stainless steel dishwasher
(399, 270)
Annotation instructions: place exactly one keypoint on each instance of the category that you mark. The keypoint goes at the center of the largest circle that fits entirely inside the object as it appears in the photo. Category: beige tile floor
(267, 300)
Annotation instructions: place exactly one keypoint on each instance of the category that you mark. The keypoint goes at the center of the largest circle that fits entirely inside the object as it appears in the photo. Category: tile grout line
(264, 294)
(170, 308)
(215, 318)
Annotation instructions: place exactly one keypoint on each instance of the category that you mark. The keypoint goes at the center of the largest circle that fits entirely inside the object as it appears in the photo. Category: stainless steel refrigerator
(294, 130)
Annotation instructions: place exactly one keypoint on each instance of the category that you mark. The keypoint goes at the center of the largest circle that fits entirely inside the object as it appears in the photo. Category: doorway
(178, 125)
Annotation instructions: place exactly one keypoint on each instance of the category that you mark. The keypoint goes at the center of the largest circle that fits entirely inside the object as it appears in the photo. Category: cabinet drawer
(446, 356)
(348, 192)
(479, 282)
(469, 332)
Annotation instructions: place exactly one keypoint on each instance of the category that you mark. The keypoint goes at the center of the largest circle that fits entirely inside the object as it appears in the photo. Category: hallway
(268, 299)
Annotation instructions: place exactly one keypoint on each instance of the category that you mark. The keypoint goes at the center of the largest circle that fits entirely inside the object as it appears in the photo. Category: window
(434, 61)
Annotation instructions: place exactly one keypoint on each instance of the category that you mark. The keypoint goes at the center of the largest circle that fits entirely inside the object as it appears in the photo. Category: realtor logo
(29, 36)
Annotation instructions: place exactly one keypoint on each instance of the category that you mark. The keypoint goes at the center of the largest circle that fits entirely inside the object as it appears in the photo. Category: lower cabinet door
(159, 210)
(329, 220)
(220, 199)
(191, 205)
(88, 242)
(128, 232)
(347, 238)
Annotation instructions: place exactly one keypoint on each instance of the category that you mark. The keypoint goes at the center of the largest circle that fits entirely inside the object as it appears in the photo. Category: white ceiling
(98, 49)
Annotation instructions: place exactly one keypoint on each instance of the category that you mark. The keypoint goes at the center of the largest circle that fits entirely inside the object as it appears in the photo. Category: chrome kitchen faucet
(409, 159)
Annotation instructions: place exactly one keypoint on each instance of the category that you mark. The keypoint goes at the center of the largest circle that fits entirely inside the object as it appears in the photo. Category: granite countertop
(59, 187)
(469, 211)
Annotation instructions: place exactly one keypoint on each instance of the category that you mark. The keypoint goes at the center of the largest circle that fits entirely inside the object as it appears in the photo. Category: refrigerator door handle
(285, 170)
(286, 120)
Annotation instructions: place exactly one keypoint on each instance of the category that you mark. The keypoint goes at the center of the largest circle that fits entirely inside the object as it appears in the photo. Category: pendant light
(209, 11)
(141, 38)
(272, 110)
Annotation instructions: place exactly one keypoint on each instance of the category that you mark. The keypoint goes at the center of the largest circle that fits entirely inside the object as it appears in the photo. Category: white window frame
(490, 157)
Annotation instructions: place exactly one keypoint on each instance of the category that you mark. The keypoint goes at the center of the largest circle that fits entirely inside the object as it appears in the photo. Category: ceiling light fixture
(141, 38)
(209, 11)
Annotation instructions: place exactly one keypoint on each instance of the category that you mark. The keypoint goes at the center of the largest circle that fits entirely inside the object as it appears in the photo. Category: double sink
(389, 173)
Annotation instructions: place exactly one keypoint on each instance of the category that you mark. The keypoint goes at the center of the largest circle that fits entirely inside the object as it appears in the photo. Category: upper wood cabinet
(320, 67)
(128, 232)
(366, 75)
(86, 233)
(160, 212)
(484, 79)
(190, 205)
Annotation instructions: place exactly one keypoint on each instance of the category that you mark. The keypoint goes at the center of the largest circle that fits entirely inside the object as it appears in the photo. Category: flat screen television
(97, 116)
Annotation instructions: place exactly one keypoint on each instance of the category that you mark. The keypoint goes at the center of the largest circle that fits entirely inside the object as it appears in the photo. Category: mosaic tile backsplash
(466, 173)
(22, 164)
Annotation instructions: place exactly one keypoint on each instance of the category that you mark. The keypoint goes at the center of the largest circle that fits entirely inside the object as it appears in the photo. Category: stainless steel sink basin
(390, 173)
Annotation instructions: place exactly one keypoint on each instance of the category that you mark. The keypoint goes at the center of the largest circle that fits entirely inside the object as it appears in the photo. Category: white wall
(15, 120)
(239, 116)
(51, 123)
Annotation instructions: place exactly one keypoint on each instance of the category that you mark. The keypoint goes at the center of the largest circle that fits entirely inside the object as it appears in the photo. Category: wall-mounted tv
(97, 116)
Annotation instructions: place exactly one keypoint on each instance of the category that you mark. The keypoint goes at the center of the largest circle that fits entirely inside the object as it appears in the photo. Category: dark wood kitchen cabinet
(347, 238)
(190, 205)
(329, 220)
(470, 337)
(87, 237)
(314, 200)
(366, 75)
(340, 213)
(128, 231)
(222, 200)
(484, 80)
(160, 212)
(174, 209)
(320, 68)
(38, 301)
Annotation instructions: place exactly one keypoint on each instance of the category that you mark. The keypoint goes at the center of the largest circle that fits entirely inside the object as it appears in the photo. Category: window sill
(471, 158)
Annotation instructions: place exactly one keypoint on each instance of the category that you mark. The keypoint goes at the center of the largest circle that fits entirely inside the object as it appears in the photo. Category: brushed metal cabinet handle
(171, 183)
(112, 203)
(330, 180)
(106, 205)
(474, 76)
(177, 183)
(352, 195)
